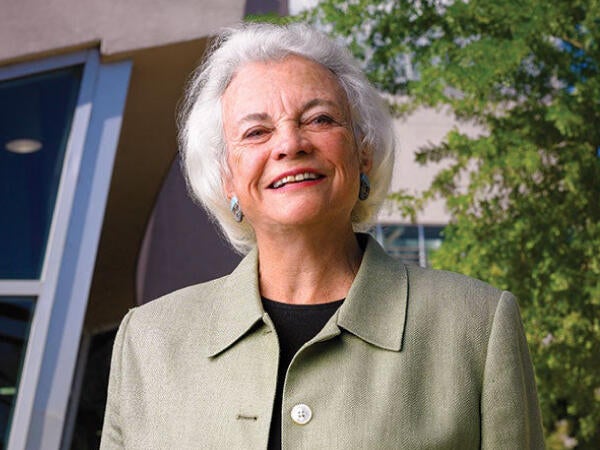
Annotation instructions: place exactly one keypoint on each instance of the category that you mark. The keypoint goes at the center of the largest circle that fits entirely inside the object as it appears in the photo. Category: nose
(290, 142)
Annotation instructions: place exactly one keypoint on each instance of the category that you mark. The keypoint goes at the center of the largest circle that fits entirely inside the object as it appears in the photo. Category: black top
(295, 325)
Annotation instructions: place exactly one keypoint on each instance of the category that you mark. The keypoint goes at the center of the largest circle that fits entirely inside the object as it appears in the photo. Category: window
(35, 119)
(59, 125)
(15, 318)
(36, 112)
(411, 244)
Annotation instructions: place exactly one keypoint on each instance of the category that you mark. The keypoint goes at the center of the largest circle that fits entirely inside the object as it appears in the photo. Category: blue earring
(234, 207)
(365, 187)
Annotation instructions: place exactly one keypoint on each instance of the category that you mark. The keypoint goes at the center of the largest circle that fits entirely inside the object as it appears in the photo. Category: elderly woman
(318, 339)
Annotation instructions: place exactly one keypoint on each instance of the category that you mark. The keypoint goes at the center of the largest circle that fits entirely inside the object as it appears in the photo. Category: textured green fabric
(413, 359)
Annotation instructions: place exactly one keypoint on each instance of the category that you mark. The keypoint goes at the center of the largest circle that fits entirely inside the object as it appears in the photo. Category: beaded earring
(236, 210)
(365, 187)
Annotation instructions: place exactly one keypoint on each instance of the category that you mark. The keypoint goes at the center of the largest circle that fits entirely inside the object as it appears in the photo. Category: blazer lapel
(237, 307)
(375, 308)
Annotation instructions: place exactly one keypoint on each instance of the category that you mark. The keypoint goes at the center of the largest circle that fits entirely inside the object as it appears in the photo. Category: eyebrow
(308, 105)
(318, 102)
(254, 117)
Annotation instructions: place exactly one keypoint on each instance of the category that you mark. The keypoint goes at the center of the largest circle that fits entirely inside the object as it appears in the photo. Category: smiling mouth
(295, 179)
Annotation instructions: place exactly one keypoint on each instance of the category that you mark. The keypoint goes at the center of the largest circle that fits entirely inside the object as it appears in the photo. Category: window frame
(71, 247)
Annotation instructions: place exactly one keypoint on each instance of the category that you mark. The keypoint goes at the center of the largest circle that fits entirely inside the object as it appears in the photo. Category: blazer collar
(374, 310)
(237, 307)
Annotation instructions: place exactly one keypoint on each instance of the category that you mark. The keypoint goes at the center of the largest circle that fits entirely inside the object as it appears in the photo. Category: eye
(255, 133)
(322, 119)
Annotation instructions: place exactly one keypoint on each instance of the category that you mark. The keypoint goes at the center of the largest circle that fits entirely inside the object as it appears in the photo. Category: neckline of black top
(294, 306)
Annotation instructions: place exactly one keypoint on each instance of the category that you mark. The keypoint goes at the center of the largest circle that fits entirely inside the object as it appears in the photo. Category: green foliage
(525, 196)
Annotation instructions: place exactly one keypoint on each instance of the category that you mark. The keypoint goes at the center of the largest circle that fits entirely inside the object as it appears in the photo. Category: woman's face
(291, 151)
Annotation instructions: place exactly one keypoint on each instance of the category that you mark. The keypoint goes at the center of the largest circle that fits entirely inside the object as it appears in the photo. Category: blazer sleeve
(112, 437)
(509, 404)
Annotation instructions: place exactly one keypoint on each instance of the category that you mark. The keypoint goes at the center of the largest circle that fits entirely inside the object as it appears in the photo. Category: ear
(228, 188)
(227, 183)
(366, 158)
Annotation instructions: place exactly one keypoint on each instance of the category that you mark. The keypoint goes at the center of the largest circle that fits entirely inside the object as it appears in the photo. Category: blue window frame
(60, 120)
(36, 113)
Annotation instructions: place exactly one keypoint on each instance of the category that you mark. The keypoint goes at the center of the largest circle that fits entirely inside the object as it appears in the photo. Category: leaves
(524, 197)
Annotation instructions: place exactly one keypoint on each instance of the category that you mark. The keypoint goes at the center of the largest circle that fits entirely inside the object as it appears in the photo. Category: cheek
(346, 154)
(236, 173)
(246, 166)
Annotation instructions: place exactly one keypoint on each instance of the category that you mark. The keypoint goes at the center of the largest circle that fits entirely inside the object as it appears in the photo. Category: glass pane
(433, 238)
(402, 242)
(35, 120)
(15, 317)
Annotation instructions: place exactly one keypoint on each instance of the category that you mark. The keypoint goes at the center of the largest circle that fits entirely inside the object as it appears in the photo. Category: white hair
(201, 137)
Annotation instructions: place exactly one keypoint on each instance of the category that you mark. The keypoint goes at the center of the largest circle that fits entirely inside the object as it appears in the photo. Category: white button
(301, 414)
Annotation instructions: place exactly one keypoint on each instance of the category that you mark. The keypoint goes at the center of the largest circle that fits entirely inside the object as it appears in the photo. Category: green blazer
(413, 359)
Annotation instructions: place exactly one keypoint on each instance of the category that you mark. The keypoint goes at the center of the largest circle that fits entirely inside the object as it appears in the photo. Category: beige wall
(423, 127)
(29, 28)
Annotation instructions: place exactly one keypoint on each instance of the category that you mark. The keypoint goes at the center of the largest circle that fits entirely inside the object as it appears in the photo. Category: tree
(525, 196)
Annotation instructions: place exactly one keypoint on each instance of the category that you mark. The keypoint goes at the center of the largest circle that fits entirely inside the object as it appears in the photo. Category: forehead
(291, 78)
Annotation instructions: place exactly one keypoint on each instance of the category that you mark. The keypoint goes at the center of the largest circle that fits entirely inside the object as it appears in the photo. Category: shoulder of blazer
(180, 309)
(443, 284)
(450, 300)
(216, 313)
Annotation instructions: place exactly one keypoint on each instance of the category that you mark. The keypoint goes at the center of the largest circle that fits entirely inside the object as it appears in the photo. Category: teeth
(295, 178)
